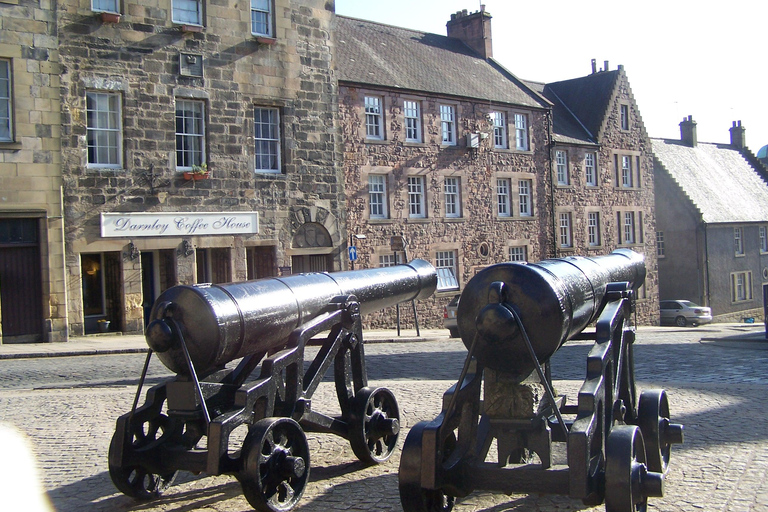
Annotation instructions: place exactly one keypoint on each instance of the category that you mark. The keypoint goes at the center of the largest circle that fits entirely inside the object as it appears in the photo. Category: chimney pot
(606, 65)
(594, 66)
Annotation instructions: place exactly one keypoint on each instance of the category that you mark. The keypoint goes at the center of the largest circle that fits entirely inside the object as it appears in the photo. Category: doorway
(21, 293)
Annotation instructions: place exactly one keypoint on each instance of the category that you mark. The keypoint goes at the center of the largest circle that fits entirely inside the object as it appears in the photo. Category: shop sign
(131, 225)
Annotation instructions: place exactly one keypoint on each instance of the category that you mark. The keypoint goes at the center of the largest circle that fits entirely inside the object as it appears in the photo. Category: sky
(682, 57)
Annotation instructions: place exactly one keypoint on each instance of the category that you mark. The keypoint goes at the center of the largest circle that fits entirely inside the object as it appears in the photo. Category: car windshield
(688, 304)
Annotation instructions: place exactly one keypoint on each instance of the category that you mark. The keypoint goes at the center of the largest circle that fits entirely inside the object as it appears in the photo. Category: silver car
(449, 317)
(684, 312)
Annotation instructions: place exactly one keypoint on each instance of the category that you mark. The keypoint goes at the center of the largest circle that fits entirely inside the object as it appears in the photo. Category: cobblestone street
(716, 389)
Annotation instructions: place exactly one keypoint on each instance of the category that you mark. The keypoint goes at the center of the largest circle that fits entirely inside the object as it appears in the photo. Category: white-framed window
(524, 188)
(452, 197)
(6, 103)
(627, 227)
(503, 198)
(374, 127)
(261, 18)
(763, 233)
(416, 200)
(190, 133)
(188, 12)
(445, 264)
(266, 133)
(741, 286)
(448, 124)
(738, 241)
(499, 120)
(590, 168)
(660, 244)
(625, 117)
(521, 132)
(561, 160)
(412, 113)
(389, 260)
(593, 228)
(105, 6)
(518, 253)
(626, 171)
(104, 129)
(565, 235)
(377, 196)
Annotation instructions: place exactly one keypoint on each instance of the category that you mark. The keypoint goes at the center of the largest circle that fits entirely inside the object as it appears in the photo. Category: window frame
(416, 186)
(763, 239)
(525, 198)
(452, 196)
(594, 235)
(499, 121)
(105, 131)
(412, 121)
(381, 193)
(626, 172)
(660, 244)
(522, 249)
(627, 227)
(741, 280)
(448, 126)
(565, 230)
(275, 143)
(563, 178)
(176, 11)
(504, 198)
(116, 3)
(590, 168)
(7, 100)
(521, 132)
(198, 107)
(446, 264)
(624, 117)
(378, 116)
(269, 19)
(389, 260)
(738, 241)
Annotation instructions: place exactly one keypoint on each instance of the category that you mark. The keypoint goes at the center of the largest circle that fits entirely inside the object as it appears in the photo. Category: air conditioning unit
(473, 140)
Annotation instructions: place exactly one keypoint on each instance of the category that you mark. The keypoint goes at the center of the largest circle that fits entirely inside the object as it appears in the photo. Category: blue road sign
(352, 253)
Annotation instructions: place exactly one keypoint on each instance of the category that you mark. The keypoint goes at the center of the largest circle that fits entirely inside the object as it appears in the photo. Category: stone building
(32, 269)
(712, 223)
(199, 144)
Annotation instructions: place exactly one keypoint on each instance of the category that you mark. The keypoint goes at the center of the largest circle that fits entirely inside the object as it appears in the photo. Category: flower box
(110, 17)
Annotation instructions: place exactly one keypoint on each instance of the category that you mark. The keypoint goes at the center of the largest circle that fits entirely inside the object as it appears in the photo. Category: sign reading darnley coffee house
(128, 225)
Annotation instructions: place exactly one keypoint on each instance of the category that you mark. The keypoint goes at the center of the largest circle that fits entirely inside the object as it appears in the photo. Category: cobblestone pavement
(716, 388)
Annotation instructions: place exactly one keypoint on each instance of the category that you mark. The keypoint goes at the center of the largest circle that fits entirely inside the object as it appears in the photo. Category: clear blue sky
(683, 57)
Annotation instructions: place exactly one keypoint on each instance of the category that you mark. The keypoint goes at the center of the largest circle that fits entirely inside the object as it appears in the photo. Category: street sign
(352, 253)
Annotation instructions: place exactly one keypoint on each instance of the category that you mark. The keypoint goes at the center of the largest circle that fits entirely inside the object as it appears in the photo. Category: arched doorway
(312, 247)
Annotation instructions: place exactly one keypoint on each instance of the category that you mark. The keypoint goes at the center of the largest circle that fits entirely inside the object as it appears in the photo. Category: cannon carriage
(502, 427)
(186, 422)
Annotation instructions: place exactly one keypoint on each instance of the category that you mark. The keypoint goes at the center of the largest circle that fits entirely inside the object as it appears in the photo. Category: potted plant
(198, 172)
(103, 325)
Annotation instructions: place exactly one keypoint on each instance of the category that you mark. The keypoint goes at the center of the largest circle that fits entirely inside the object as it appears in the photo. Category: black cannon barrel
(221, 323)
(555, 299)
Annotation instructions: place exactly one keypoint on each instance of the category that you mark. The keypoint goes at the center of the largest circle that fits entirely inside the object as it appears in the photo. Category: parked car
(684, 312)
(449, 316)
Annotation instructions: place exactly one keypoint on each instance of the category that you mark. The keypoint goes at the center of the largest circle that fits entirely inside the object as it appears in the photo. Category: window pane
(502, 195)
(187, 11)
(267, 139)
(103, 129)
(261, 18)
(5, 100)
(104, 5)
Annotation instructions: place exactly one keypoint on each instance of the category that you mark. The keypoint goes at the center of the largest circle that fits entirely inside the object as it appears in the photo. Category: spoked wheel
(275, 464)
(413, 496)
(374, 424)
(628, 483)
(134, 480)
(659, 433)
(681, 321)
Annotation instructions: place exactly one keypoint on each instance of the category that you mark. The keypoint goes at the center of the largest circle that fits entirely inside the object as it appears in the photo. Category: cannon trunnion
(513, 317)
(186, 422)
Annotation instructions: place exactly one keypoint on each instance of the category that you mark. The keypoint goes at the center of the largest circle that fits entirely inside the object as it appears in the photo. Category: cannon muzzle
(221, 323)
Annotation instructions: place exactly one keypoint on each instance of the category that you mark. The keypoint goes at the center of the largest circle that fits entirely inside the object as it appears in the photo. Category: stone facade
(161, 70)
(32, 292)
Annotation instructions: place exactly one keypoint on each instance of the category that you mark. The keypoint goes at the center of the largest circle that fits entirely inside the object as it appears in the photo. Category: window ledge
(109, 17)
(11, 146)
(412, 144)
(419, 220)
(381, 221)
(191, 28)
(265, 40)
(377, 141)
(455, 219)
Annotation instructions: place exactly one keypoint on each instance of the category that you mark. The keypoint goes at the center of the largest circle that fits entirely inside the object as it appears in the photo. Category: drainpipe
(553, 183)
(706, 296)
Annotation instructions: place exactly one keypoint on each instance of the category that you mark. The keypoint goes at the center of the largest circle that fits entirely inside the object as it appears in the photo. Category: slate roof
(718, 180)
(566, 127)
(383, 55)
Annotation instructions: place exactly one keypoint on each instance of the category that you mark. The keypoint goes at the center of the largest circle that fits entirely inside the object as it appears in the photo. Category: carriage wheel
(135, 481)
(658, 433)
(628, 483)
(413, 496)
(274, 464)
(374, 424)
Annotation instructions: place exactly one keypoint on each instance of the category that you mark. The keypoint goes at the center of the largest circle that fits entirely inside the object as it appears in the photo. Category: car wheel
(680, 321)
(454, 331)
(695, 324)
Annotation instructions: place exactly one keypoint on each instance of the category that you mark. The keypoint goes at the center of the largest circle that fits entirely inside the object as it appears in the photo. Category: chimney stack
(594, 66)
(473, 29)
(606, 66)
(688, 131)
(738, 138)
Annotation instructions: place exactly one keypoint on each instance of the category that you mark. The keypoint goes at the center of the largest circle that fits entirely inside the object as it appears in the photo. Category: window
(105, 6)
(412, 114)
(590, 169)
(626, 171)
(562, 167)
(517, 254)
(593, 229)
(738, 241)
(741, 286)
(448, 124)
(445, 264)
(188, 12)
(389, 260)
(416, 203)
(524, 196)
(103, 118)
(261, 18)
(627, 227)
(499, 130)
(521, 132)
(660, 244)
(503, 207)
(565, 230)
(377, 196)
(763, 239)
(452, 204)
(266, 127)
(6, 109)
(625, 117)
(190, 134)
(373, 121)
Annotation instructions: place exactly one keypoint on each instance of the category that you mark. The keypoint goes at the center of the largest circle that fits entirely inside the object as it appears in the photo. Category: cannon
(607, 447)
(215, 337)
